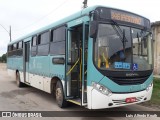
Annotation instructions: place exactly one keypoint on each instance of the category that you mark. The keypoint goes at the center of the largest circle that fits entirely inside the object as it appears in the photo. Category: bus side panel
(40, 82)
(10, 70)
(39, 73)
(13, 64)
(57, 70)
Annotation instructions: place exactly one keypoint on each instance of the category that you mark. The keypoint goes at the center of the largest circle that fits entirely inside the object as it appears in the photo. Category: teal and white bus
(100, 57)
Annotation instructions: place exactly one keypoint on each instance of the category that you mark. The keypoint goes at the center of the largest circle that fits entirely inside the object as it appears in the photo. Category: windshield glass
(142, 49)
(122, 48)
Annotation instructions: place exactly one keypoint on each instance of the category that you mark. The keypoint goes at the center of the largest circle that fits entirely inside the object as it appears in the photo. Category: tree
(3, 58)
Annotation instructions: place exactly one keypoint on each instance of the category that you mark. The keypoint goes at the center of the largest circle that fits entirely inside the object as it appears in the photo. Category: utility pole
(10, 34)
(7, 31)
(85, 4)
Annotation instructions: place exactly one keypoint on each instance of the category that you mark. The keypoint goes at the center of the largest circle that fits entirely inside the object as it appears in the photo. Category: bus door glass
(84, 62)
(26, 60)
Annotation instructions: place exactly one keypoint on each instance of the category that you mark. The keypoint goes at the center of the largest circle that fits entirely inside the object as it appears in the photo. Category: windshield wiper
(138, 44)
(120, 33)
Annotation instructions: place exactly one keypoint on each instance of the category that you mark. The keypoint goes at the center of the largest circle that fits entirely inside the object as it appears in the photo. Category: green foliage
(3, 58)
(156, 92)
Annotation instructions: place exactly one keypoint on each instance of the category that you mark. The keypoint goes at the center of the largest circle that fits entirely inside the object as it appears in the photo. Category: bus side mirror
(93, 29)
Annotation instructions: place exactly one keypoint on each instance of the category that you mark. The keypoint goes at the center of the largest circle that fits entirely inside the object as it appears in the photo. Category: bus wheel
(18, 82)
(60, 95)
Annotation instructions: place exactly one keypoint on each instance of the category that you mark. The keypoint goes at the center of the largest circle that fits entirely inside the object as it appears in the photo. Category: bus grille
(129, 81)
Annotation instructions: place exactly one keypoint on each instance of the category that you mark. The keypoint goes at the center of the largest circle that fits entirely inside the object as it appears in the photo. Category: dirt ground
(3, 66)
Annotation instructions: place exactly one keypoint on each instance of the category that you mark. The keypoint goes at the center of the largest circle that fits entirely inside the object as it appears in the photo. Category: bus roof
(76, 15)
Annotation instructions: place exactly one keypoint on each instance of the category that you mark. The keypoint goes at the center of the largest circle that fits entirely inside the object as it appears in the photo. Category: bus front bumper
(97, 100)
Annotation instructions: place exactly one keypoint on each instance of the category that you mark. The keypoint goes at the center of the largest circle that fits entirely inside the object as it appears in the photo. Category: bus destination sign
(126, 17)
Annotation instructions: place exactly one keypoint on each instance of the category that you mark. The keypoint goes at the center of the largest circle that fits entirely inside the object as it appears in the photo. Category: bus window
(10, 48)
(44, 38)
(43, 44)
(57, 45)
(14, 46)
(17, 46)
(34, 47)
(34, 41)
(19, 51)
(57, 48)
(20, 45)
(58, 34)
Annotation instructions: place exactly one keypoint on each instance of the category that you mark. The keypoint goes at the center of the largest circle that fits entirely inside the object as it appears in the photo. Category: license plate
(131, 100)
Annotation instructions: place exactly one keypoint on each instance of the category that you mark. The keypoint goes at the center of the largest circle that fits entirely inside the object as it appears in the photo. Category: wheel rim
(59, 95)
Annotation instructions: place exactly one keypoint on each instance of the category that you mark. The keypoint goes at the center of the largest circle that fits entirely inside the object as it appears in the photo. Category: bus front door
(73, 73)
(75, 67)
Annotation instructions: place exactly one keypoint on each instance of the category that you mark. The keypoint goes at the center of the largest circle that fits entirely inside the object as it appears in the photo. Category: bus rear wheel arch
(18, 81)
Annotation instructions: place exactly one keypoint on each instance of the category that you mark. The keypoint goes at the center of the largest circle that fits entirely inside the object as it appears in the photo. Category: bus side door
(26, 61)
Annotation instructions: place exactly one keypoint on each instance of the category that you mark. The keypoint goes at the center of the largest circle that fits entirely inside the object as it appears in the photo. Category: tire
(62, 103)
(18, 82)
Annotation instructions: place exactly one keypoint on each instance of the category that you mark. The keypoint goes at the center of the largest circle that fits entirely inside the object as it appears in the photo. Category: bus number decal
(122, 65)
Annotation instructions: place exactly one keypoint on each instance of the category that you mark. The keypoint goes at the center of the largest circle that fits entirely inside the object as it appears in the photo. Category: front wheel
(60, 95)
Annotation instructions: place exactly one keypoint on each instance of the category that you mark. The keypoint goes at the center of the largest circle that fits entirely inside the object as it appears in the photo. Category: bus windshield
(122, 49)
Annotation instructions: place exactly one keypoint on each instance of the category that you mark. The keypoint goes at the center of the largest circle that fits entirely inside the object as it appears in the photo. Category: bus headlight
(101, 89)
(148, 88)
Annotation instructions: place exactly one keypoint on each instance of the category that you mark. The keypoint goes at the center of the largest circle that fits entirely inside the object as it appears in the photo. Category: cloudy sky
(26, 16)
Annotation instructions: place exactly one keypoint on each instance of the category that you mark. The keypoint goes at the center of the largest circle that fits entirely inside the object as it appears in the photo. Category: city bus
(99, 57)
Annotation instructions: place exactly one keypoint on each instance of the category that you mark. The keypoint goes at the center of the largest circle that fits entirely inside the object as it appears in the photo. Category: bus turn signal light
(131, 100)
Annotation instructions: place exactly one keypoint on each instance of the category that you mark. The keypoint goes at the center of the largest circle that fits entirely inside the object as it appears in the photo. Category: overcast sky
(26, 16)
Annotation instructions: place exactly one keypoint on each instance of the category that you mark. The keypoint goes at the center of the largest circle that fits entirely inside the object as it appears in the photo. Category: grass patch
(156, 92)
(155, 99)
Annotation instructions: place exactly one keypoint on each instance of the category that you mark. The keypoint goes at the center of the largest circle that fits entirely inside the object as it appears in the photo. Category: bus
(99, 57)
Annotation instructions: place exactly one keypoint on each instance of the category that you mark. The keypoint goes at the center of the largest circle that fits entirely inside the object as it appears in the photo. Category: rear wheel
(60, 95)
(18, 82)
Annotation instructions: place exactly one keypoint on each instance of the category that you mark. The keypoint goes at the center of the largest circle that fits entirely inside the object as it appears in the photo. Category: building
(156, 46)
